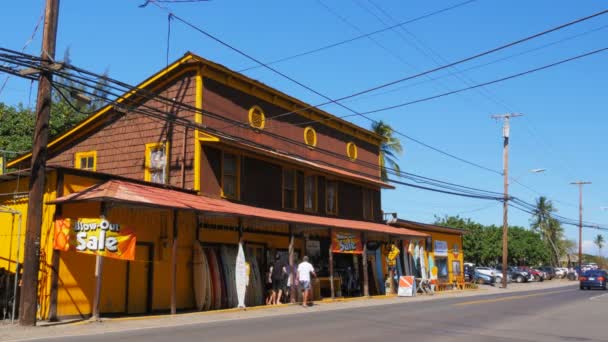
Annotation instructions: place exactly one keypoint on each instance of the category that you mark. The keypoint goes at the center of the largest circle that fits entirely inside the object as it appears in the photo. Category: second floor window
(230, 175)
(156, 163)
(368, 204)
(85, 160)
(310, 193)
(331, 200)
(289, 189)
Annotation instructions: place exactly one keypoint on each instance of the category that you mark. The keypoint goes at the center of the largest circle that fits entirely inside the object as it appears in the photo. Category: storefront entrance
(139, 279)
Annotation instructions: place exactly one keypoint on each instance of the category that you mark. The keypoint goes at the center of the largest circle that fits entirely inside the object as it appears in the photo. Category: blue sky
(565, 107)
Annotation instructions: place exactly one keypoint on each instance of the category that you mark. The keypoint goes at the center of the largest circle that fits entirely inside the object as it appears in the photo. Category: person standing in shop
(277, 273)
(305, 269)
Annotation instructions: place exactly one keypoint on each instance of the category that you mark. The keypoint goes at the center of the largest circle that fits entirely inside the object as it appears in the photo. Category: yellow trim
(326, 195)
(238, 175)
(198, 118)
(78, 156)
(105, 109)
(354, 155)
(1, 165)
(250, 116)
(295, 188)
(314, 139)
(149, 148)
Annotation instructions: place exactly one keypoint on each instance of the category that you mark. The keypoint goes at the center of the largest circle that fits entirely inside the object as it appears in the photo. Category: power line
(361, 36)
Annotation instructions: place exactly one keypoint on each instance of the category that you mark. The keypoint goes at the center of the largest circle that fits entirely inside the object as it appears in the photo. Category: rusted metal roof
(405, 224)
(144, 195)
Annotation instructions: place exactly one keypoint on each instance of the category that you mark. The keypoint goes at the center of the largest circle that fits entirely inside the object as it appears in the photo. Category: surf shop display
(221, 279)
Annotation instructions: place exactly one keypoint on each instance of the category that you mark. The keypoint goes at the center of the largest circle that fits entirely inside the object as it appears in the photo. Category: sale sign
(94, 236)
(346, 242)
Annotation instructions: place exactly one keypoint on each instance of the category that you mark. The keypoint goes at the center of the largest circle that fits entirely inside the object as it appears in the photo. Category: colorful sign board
(441, 248)
(346, 242)
(96, 236)
(407, 286)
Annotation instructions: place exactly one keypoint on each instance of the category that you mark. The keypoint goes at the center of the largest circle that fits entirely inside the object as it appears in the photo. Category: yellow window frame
(314, 139)
(295, 188)
(315, 199)
(237, 176)
(149, 148)
(78, 156)
(263, 118)
(352, 156)
(327, 211)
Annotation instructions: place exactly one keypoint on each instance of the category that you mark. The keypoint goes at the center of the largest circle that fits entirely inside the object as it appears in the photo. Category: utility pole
(505, 208)
(580, 220)
(31, 263)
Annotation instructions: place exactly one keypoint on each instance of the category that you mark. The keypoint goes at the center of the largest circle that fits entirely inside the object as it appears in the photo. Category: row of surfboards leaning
(220, 280)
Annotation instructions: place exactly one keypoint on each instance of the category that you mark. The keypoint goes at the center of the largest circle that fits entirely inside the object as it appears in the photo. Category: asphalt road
(561, 314)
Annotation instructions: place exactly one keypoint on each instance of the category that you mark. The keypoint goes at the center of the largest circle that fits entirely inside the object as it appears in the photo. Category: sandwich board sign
(407, 286)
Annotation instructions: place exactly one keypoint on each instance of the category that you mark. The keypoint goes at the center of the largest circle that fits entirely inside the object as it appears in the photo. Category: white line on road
(600, 296)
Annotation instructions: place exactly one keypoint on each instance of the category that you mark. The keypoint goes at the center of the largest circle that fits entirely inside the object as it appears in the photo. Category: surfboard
(207, 282)
(422, 263)
(224, 295)
(214, 278)
(197, 277)
(241, 278)
(380, 271)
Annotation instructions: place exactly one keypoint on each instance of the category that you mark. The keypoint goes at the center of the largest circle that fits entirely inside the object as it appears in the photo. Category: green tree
(599, 242)
(548, 227)
(389, 149)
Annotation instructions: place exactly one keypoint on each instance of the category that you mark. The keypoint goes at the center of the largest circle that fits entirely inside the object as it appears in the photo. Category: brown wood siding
(377, 198)
(120, 142)
(350, 201)
(211, 164)
(300, 190)
(233, 104)
(321, 194)
(261, 183)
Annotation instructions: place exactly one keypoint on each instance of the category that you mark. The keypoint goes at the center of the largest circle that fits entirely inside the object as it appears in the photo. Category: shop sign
(407, 286)
(346, 242)
(313, 247)
(94, 236)
(441, 248)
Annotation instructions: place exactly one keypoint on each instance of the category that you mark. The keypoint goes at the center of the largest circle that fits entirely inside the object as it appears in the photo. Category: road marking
(600, 296)
(502, 299)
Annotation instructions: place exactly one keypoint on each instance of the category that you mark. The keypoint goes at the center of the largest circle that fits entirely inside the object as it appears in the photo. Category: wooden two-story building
(201, 154)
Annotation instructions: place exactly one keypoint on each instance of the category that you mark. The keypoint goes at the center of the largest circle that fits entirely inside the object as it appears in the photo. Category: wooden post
(174, 266)
(364, 258)
(293, 293)
(98, 273)
(406, 264)
(56, 255)
(31, 259)
(331, 266)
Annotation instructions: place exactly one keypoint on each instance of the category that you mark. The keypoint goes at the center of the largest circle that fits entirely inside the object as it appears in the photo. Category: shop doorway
(139, 279)
(257, 251)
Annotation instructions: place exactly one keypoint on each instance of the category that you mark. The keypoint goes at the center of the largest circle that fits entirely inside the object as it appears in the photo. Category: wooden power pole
(505, 208)
(31, 263)
(580, 221)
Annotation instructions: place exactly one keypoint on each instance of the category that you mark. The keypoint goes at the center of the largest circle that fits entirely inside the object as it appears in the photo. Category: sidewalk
(45, 330)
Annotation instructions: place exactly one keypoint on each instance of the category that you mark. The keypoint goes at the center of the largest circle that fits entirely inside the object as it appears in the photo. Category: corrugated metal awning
(149, 195)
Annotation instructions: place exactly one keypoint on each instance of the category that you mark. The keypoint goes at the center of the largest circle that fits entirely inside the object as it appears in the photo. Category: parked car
(561, 272)
(483, 278)
(499, 276)
(469, 273)
(518, 275)
(549, 271)
(533, 274)
(486, 270)
(593, 278)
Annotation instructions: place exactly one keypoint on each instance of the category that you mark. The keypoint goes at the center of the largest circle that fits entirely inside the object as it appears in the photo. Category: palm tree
(389, 149)
(599, 242)
(548, 227)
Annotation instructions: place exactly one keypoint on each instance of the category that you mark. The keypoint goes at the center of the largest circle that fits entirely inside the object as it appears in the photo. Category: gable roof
(90, 123)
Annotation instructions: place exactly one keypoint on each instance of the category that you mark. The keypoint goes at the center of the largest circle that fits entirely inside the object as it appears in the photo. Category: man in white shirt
(303, 279)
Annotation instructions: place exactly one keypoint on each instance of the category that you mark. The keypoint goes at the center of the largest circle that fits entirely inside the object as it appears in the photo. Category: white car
(560, 272)
(487, 271)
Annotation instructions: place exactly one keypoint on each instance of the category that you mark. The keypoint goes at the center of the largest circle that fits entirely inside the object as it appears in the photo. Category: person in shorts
(303, 273)
(277, 274)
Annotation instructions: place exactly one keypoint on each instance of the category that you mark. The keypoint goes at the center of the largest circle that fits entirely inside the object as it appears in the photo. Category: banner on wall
(96, 236)
(441, 248)
(346, 242)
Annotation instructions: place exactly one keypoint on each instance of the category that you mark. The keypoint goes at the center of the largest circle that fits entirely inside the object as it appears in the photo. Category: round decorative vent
(351, 150)
(310, 136)
(257, 119)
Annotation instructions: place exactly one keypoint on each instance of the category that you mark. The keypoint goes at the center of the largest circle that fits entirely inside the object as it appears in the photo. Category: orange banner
(94, 236)
(346, 242)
